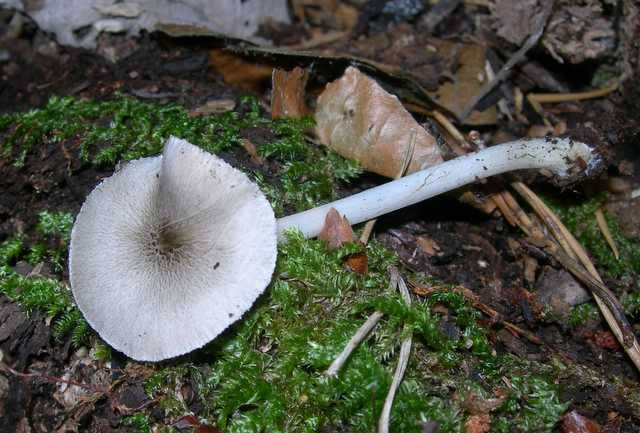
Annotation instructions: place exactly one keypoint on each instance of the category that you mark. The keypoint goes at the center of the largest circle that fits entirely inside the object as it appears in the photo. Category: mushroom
(171, 250)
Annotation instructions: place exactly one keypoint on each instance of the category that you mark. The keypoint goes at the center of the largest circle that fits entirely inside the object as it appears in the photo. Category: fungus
(169, 251)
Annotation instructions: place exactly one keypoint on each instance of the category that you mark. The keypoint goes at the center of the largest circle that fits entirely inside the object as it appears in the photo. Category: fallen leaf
(428, 245)
(288, 94)
(358, 263)
(468, 79)
(358, 119)
(573, 422)
(190, 421)
(336, 231)
(605, 340)
(252, 151)
(478, 424)
(476, 405)
(238, 71)
(217, 106)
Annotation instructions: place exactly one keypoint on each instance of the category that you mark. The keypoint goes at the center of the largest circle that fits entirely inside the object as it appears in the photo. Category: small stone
(561, 285)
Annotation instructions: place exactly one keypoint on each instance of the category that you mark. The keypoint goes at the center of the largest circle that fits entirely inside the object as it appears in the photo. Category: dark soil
(475, 250)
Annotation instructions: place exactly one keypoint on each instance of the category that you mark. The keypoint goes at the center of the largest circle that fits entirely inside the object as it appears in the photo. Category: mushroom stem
(563, 157)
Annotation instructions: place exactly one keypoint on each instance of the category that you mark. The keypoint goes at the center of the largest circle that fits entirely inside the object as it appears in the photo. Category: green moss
(44, 294)
(126, 128)
(580, 220)
(267, 374)
(631, 304)
(10, 250)
(55, 224)
(580, 314)
(123, 128)
(139, 421)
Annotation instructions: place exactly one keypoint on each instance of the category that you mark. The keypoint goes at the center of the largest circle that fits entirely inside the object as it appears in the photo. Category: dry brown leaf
(476, 405)
(288, 94)
(469, 78)
(216, 106)
(358, 263)
(478, 423)
(573, 422)
(358, 119)
(336, 231)
(252, 151)
(238, 71)
(428, 245)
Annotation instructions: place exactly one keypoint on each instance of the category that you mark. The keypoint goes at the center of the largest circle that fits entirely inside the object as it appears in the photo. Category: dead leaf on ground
(478, 424)
(476, 405)
(429, 246)
(573, 422)
(190, 421)
(288, 94)
(216, 106)
(468, 79)
(358, 119)
(239, 71)
(252, 151)
(336, 231)
(604, 339)
(358, 263)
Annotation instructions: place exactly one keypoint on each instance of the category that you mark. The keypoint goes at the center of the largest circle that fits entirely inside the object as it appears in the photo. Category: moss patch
(580, 220)
(266, 373)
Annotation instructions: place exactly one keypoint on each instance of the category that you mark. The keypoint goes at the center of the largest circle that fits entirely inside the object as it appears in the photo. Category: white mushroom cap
(170, 251)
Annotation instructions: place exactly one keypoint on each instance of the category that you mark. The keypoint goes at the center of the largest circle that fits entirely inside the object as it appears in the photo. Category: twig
(51, 379)
(604, 228)
(519, 56)
(473, 298)
(403, 359)
(574, 251)
(542, 98)
(355, 341)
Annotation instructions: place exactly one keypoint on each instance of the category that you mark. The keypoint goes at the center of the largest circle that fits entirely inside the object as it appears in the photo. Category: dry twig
(403, 359)
(519, 56)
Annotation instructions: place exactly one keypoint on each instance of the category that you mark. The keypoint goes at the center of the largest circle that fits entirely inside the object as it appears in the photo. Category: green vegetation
(582, 313)
(266, 373)
(35, 293)
(126, 128)
(580, 220)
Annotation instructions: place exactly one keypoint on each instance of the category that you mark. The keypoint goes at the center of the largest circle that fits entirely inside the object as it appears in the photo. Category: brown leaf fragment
(238, 71)
(476, 405)
(252, 151)
(216, 106)
(358, 263)
(470, 77)
(337, 230)
(573, 422)
(429, 246)
(478, 423)
(358, 119)
(288, 94)
(604, 339)
(190, 421)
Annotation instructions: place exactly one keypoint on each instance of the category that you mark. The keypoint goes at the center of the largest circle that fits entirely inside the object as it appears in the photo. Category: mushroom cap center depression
(169, 251)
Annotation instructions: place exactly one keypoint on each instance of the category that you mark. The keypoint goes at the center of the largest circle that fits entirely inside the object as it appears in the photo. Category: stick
(403, 359)
(355, 341)
(519, 56)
